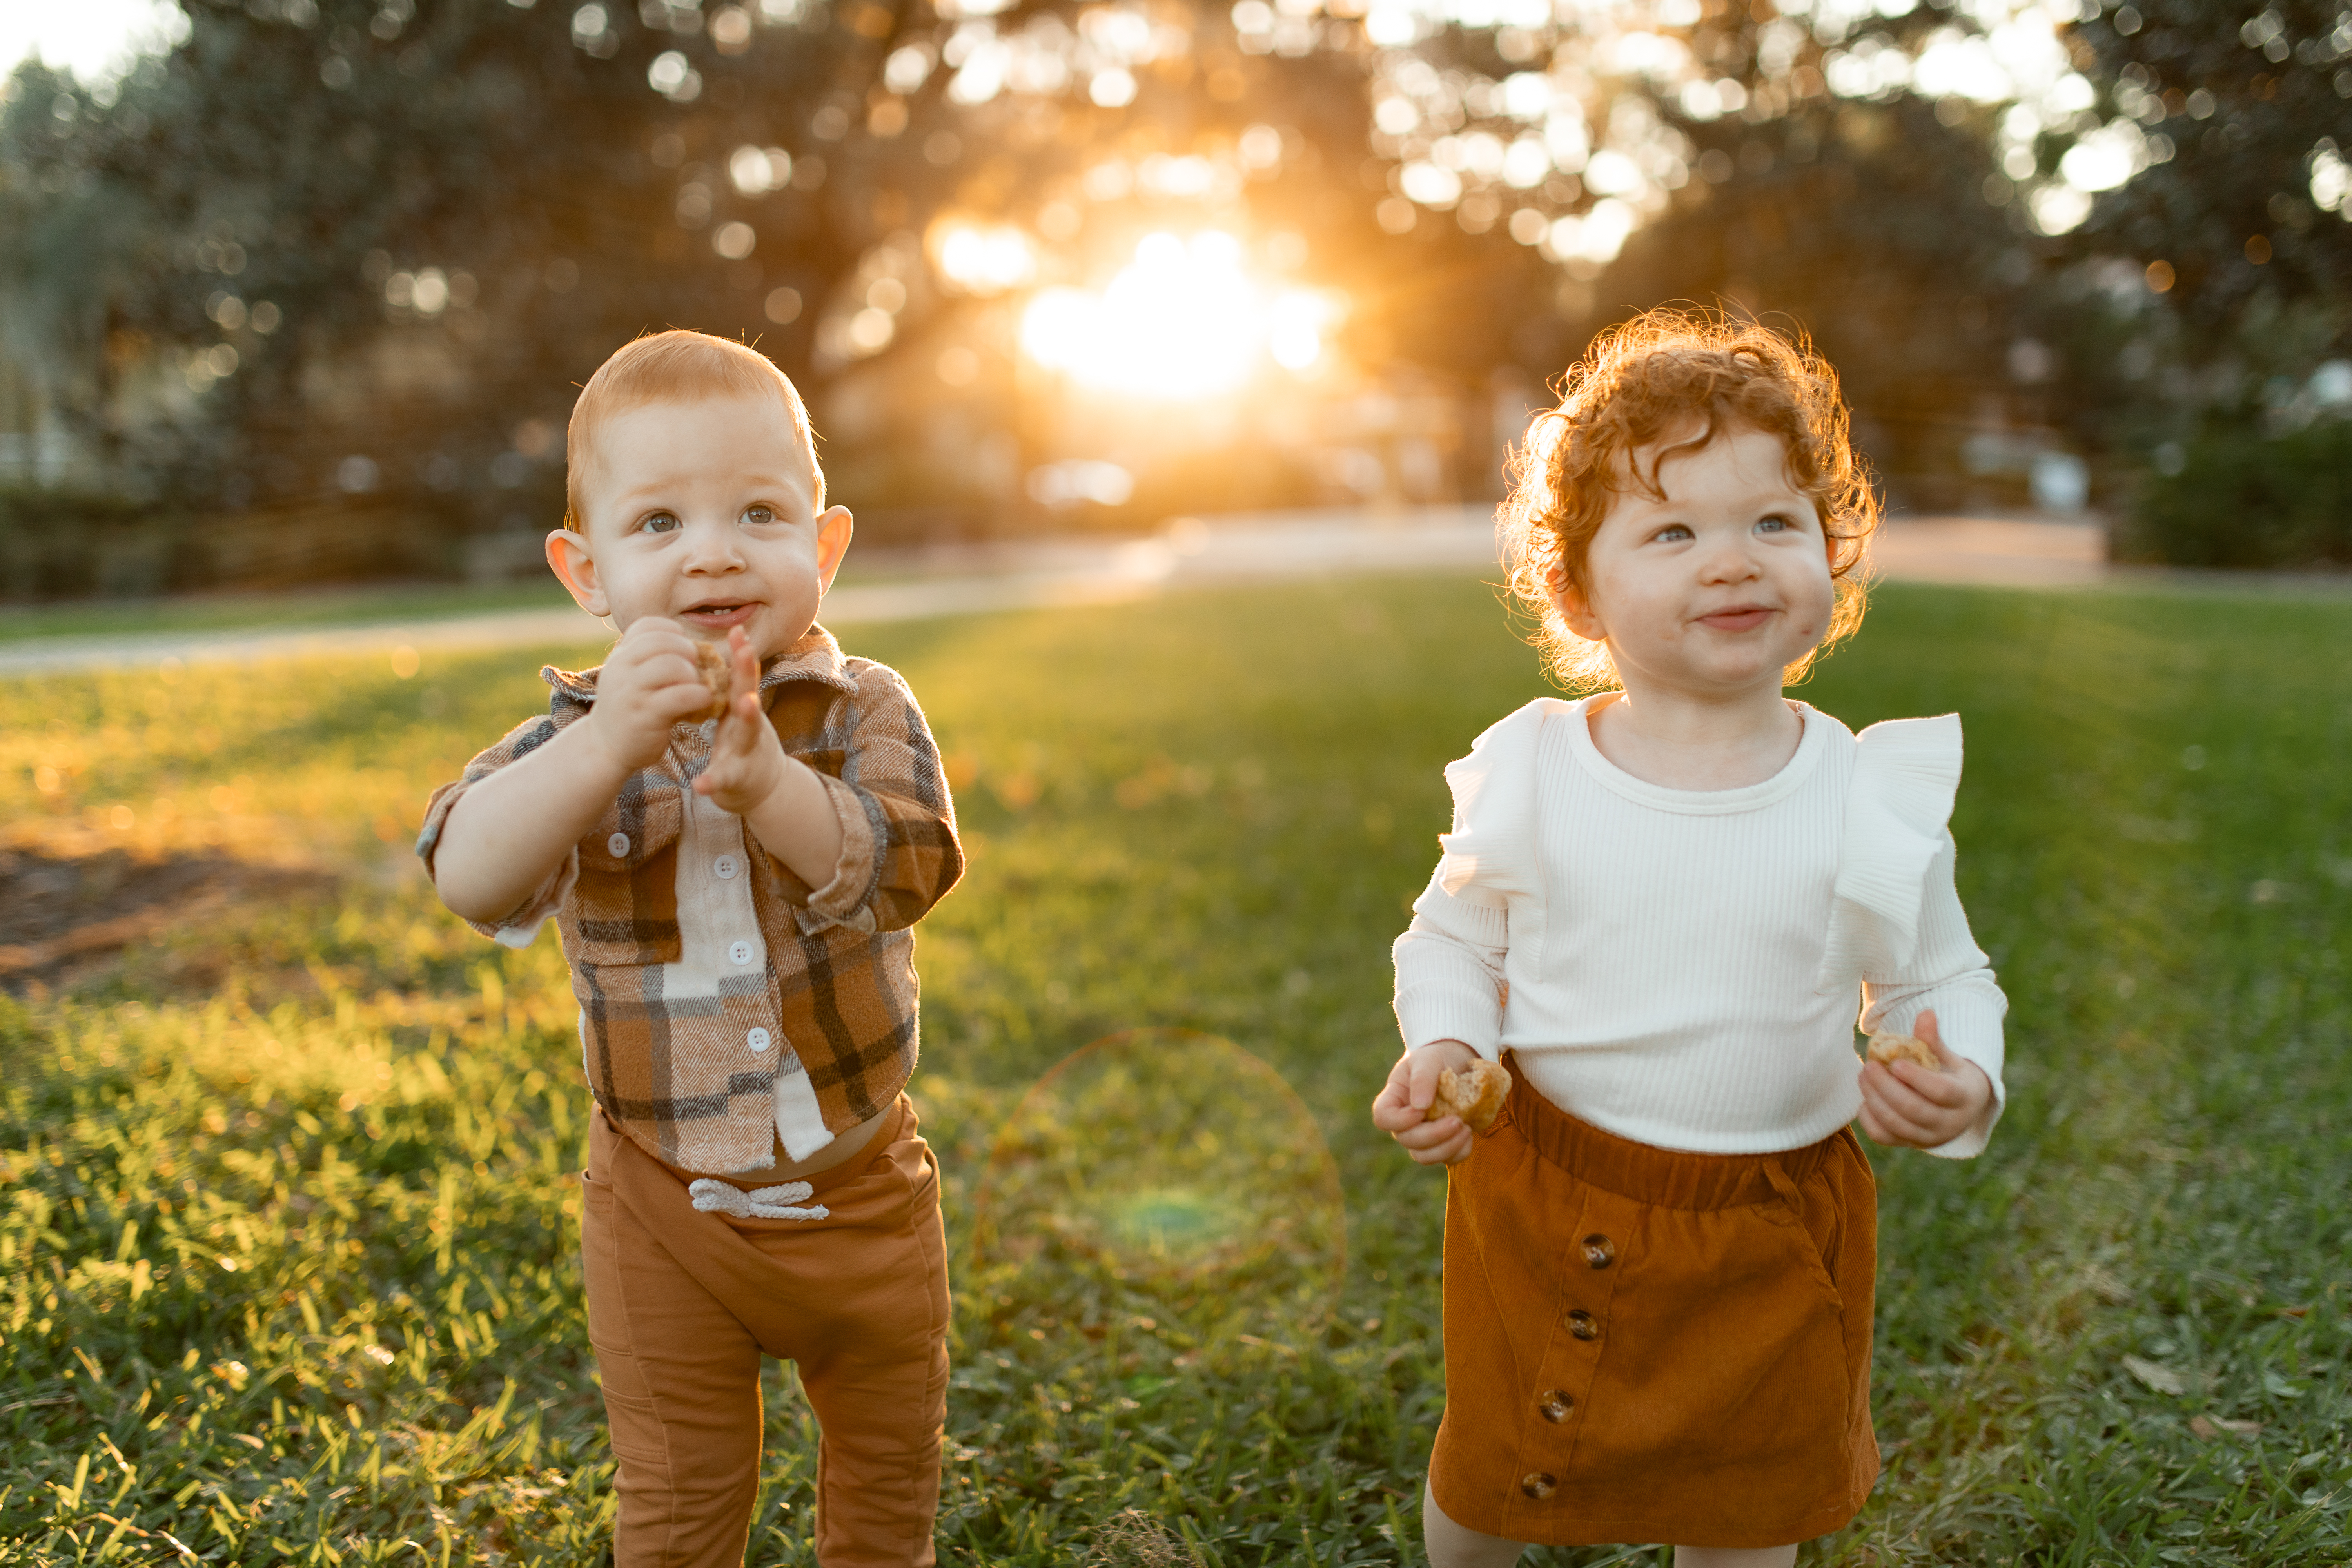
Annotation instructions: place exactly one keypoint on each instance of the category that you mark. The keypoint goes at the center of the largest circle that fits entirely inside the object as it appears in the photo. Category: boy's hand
(647, 685)
(1907, 1106)
(1404, 1101)
(747, 760)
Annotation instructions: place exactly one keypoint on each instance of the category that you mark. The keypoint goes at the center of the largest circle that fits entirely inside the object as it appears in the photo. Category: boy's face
(1717, 586)
(703, 513)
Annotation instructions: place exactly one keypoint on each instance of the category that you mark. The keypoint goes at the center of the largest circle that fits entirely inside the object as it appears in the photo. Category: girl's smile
(1710, 583)
(1740, 618)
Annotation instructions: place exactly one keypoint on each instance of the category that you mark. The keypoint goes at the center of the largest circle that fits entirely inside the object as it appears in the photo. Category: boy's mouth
(717, 617)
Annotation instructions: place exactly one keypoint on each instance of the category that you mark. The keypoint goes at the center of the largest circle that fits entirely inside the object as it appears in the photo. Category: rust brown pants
(681, 1306)
(1646, 1345)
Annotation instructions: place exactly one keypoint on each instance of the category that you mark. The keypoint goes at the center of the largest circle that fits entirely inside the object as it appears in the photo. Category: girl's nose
(1731, 561)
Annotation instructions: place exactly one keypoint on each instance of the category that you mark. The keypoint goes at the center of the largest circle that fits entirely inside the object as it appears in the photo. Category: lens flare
(1170, 1172)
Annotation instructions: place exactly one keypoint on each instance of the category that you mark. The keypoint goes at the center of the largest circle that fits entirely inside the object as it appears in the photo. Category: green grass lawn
(308, 609)
(287, 1204)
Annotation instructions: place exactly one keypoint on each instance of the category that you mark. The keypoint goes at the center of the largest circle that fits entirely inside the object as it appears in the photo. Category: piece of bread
(710, 662)
(1887, 1048)
(1473, 1093)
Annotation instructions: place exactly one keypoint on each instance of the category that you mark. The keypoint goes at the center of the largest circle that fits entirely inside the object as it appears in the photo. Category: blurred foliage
(74, 544)
(2244, 498)
(281, 184)
(2273, 82)
(337, 249)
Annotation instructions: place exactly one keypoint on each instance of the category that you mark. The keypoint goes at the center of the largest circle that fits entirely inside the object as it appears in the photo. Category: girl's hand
(1907, 1106)
(648, 683)
(1405, 1099)
(747, 760)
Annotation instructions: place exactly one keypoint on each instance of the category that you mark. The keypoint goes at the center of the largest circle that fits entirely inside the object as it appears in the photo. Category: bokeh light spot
(1168, 1172)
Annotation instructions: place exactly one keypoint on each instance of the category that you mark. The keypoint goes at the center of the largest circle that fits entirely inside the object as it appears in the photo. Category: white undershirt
(1682, 965)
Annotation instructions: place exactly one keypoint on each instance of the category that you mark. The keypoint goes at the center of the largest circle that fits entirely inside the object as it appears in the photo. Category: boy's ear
(568, 557)
(1574, 607)
(833, 527)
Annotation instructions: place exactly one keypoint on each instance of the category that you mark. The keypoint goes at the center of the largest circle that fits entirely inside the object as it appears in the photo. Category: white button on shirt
(740, 952)
(618, 844)
(758, 1039)
(725, 867)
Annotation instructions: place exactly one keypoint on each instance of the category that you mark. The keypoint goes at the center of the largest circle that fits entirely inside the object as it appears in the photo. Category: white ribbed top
(1681, 967)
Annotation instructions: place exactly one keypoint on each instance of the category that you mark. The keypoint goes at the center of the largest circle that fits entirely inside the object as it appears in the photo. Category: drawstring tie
(764, 1202)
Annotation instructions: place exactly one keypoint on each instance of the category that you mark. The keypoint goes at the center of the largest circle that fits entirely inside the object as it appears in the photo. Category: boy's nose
(712, 549)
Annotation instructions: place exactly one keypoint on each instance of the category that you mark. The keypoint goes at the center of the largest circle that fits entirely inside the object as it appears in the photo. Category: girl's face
(1713, 590)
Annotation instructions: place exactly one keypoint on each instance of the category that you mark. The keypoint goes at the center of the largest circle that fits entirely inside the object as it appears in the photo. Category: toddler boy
(735, 900)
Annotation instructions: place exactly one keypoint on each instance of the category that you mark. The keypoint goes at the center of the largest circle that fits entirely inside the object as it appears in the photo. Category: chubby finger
(1938, 1089)
(673, 695)
(744, 666)
(1885, 1130)
(1901, 1116)
(1453, 1151)
(1428, 1067)
(645, 626)
(1439, 1142)
(1428, 1134)
(652, 639)
(1880, 1132)
(1920, 1091)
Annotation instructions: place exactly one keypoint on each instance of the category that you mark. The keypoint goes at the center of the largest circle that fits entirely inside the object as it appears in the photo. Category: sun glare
(1181, 320)
(981, 258)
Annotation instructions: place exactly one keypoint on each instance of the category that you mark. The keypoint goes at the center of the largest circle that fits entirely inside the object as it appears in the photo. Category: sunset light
(1182, 320)
(981, 258)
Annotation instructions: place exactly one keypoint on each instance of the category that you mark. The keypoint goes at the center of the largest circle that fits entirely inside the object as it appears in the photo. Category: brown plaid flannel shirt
(724, 1002)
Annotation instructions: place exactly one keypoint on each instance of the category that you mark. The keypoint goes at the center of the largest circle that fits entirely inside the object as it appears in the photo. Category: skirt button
(1555, 1406)
(1537, 1485)
(1599, 1251)
(1580, 1324)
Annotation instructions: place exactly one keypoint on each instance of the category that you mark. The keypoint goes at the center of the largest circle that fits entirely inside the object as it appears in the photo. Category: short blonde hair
(677, 366)
(1643, 383)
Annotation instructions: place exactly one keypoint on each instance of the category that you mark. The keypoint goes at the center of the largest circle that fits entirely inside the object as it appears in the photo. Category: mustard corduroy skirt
(1648, 1346)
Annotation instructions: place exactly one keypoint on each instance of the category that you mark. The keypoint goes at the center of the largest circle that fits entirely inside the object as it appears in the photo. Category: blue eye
(659, 522)
(1673, 534)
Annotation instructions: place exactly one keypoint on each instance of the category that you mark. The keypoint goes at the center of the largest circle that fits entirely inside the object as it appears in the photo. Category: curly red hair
(1664, 382)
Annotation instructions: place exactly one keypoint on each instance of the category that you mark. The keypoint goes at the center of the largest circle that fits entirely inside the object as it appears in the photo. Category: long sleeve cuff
(1427, 1014)
(520, 929)
(848, 898)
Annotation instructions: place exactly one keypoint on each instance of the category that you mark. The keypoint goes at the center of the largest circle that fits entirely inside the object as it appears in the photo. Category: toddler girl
(1661, 900)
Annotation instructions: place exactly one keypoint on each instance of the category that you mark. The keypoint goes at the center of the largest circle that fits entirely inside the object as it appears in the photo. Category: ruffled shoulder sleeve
(1905, 774)
(1490, 854)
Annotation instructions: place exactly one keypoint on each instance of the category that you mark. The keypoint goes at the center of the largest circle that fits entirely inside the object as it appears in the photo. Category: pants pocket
(600, 1270)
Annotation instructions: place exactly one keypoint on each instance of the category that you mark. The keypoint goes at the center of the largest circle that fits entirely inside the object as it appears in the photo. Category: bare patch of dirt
(58, 911)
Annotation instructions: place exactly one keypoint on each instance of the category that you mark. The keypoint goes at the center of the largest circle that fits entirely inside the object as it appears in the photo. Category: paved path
(959, 580)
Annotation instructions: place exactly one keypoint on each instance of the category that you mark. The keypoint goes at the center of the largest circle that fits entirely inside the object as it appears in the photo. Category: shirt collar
(816, 656)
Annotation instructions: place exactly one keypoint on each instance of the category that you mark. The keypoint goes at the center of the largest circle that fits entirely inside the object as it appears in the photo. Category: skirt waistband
(1669, 1178)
